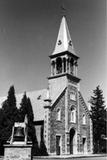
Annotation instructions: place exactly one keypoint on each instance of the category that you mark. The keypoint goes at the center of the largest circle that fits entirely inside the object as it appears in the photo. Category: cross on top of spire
(63, 10)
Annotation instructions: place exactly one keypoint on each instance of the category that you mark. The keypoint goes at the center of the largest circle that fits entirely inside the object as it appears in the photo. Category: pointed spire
(64, 41)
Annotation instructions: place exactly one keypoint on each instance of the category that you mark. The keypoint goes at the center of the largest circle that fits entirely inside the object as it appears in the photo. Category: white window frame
(73, 96)
(73, 115)
(58, 118)
(84, 119)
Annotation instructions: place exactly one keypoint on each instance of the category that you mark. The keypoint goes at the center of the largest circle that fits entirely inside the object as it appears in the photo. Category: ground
(92, 158)
(98, 157)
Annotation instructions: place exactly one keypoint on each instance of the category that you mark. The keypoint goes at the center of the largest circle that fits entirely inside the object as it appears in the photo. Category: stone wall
(57, 127)
(70, 104)
(84, 128)
(17, 152)
(72, 125)
(63, 127)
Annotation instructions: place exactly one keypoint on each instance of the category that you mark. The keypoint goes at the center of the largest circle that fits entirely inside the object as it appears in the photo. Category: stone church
(60, 109)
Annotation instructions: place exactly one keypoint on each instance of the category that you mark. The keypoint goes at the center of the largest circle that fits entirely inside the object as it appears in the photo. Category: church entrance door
(72, 133)
(58, 142)
(84, 145)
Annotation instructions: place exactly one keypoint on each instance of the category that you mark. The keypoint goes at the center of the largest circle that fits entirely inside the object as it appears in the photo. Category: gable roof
(37, 101)
(81, 99)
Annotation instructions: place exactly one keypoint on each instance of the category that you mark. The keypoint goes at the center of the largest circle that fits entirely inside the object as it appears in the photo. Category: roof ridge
(58, 96)
(85, 105)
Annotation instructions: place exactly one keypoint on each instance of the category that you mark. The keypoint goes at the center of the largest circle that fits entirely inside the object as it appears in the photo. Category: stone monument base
(17, 152)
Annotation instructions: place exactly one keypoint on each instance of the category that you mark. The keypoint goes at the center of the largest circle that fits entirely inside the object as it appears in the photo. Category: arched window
(59, 65)
(64, 61)
(53, 68)
(84, 119)
(71, 65)
(73, 115)
(58, 117)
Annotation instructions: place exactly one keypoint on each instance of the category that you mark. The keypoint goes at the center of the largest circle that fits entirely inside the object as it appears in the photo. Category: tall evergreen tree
(8, 115)
(98, 115)
(26, 109)
(1, 128)
(9, 106)
(23, 109)
(43, 149)
(11, 99)
(30, 111)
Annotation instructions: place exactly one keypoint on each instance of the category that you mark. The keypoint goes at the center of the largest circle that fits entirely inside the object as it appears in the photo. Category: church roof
(64, 41)
(37, 100)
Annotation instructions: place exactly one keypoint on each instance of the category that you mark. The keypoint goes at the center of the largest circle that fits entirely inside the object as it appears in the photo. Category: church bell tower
(64, 128)
(64, 61)
(64, 58)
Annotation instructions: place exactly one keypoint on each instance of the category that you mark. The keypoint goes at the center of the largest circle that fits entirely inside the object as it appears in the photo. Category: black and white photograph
(53, 80)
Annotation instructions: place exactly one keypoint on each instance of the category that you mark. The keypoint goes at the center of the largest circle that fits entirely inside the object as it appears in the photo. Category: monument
(19, 148)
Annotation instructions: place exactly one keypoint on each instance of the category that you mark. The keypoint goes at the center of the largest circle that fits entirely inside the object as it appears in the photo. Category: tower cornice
(64, 53)
(69, 76)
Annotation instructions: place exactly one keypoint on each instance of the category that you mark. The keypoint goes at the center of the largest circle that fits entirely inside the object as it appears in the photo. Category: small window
(73, 96)
(59, 65)
(73, 115)
(59, 114)
(84, 119)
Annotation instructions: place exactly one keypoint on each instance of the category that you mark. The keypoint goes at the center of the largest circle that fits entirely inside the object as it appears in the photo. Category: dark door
(58, 138)
(72, 133)
(84, 140)
(71, 145)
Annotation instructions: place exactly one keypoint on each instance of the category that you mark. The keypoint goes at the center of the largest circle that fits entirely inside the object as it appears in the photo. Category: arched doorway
(72, 134)
(84, 143)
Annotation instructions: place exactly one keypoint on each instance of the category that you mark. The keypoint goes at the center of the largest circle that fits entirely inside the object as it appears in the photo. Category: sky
(28, 33)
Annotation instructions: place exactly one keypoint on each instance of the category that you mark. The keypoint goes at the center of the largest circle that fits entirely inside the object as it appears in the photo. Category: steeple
(64, 59)
(64, 41)
(64, 63)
